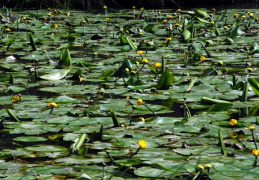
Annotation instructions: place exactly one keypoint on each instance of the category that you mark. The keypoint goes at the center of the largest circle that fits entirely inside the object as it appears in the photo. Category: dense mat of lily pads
(81, 92)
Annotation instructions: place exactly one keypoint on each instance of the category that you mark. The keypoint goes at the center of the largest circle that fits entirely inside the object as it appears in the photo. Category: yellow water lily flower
(141, 33)
(170, 17)
(157, 65)
(233, 122)
(140, 52)
(235, 15)
(208, 166)
(16, 98)
(104, 7)
(202, 58)
(52, 104)
(145, 61)
(7, 29)
(164, 21)
(55, 26)
(243, 17)
(139, 102)
(107, 19)
(127, 69)
(48, 14)
(251, 127)
(178, 10)
(168, 39)
(249, 69)
(199, 168)
(212, 22)
(142, 144)
(255, 152)
(133, 7)
(44, 50)
(220, 63)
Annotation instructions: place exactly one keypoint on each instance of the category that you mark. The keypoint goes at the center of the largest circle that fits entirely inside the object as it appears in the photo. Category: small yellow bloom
(68, 13)
(133, 73)
(44, 50)
(212, 22)
(248, 57)
(55, 26)
(243, 17)
(170, 17)
(235, 15)
(202, 58)
(56, 12)
(48, 14)
(255, 152)
(208, 166)
(199, 168)
(84, 22)
(256, 19)
(16, 98)
(107, 19)
(142, 9)
(49, 9)
(207, 41)
(133, 7)
(225, 27)
(140, 52)
(248, 12)
(52, 104)
(249, 69)
(168, 39)
(233, 122)
(178, 10)
(229, 25)
(211, 15)
(137, 63)
(23, 18)
(164, 21)
(251, 127)
(127, 69)
(104, 7)
(127, 31)
(141, 119)
(220, 63)
(141, 34)
(7, 29)
(157, 65)
(139, 102)
(213, 9)
(145, 61)
(142, 144)
(251, 15)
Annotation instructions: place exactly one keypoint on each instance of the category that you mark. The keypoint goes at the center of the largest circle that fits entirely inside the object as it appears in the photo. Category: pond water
(195, 72)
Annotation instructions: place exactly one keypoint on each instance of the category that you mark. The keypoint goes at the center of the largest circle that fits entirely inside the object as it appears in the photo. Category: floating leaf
(57, 75)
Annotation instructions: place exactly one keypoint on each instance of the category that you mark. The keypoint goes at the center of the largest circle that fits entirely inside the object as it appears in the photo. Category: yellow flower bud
(164, 21)
(157, 65)
(199, 168)
(55, 26)
(139, 102)
(220, 63)
(255, 152)
(52, 104)
(178, 10)
(142, 144)
(251, 127)
(141, 34)
(16, 98)
(168, 39)
(249, 69)
(7, 29)
(140, 52)
(104, 7)
(202, 58)
(133, 7)
(107, 19)
(170, 17)
(48, 14)
(233, 122)
(145, 61)
(127, 69)
(243, 17)
(208, 166)
(44, 50)
(235, 15)
(212, 22)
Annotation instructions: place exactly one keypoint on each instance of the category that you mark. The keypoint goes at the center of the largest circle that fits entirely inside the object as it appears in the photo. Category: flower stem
(253, 135)
(149, 109)
(45, 120)
(135, 153)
